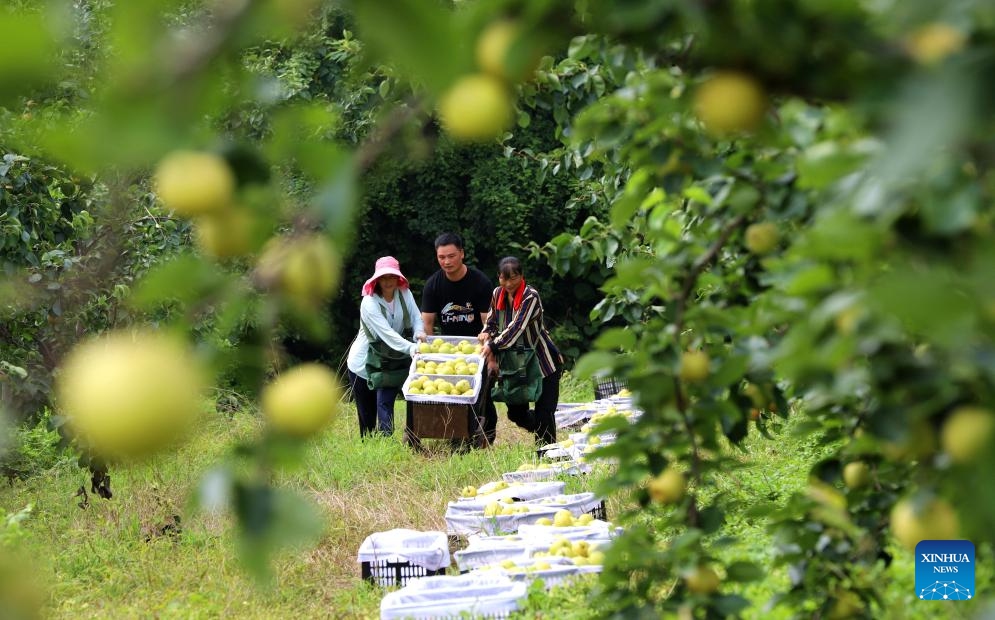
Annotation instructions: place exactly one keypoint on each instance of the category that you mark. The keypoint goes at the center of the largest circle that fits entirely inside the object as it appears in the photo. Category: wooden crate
(440, 420)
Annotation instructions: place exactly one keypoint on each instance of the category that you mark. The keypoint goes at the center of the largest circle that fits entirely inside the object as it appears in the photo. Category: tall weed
(35, 449)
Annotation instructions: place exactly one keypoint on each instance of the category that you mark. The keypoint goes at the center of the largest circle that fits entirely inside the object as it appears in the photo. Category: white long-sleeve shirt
(386, 329)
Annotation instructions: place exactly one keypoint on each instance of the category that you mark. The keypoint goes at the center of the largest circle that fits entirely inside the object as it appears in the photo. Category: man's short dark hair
(449, 238)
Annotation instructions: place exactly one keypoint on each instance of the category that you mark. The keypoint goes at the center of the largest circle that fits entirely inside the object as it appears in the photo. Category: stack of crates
(396, 557)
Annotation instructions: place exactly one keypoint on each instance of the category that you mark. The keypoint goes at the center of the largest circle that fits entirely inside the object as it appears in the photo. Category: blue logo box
(945, 570)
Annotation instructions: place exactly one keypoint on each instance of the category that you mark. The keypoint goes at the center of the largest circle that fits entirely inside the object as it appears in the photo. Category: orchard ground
(113, 560)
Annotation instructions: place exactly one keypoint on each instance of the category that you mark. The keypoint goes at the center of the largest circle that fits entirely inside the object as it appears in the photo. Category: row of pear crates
(507, 533)
(551, 537)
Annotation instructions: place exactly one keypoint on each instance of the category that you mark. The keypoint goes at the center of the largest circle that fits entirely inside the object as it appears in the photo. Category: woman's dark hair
(449, 238)
(509, 266)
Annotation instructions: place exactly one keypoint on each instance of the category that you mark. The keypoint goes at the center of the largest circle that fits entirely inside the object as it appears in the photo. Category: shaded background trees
(648, 144)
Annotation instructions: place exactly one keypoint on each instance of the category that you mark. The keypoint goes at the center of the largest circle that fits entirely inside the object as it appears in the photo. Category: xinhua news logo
(945, 570)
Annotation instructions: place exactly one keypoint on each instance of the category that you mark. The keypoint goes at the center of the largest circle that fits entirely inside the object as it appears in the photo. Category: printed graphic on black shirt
(458, 314)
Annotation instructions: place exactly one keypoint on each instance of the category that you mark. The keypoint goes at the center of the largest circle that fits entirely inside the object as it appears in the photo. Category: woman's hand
(421, 337)
(483, 337)
(491, 360)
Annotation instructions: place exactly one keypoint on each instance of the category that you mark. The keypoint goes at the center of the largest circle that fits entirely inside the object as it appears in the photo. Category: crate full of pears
(454, 376)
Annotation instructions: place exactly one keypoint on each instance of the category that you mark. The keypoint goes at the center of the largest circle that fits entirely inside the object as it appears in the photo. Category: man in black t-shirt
(459, 296)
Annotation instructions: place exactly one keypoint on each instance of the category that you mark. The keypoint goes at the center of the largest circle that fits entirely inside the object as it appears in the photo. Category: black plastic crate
(599, 512)
(385, 574)
(608, 386)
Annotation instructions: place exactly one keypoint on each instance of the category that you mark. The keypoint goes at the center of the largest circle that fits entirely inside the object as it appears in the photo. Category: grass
(108, 561)
(97, 563)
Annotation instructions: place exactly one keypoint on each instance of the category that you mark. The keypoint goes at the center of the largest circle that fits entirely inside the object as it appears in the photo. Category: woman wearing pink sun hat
(381, 353)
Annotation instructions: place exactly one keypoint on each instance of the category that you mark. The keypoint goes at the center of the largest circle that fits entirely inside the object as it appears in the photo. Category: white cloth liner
(429, 550)
(475, 557)
(577, 414)
(571, 414)
(555, 469)
(482, 550)
(479, 595)
(464, 522)
(576, 503)
(561, 569)
(550, 577)
(596, 530)
(520, 491)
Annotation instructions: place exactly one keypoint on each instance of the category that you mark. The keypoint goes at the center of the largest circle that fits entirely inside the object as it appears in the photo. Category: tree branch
(681, 402)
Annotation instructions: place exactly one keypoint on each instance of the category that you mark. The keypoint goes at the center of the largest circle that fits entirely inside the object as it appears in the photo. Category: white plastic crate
(451, 596)
(460, 399)
(440, 358)
(475, 379)
(559, 571)
(452, 340)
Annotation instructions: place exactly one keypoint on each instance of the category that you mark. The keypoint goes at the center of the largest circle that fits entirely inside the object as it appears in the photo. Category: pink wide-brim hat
(386, 265)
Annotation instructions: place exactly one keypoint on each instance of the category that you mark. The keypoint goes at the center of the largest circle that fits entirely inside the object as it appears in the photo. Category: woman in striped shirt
(516, 316)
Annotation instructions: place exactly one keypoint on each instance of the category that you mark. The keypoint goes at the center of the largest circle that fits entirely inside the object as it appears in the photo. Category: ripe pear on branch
(127, 395)
(305, 268)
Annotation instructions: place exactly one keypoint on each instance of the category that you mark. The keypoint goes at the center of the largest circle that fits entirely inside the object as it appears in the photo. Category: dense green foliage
(786, 207)
(69, 273)
(491, 194)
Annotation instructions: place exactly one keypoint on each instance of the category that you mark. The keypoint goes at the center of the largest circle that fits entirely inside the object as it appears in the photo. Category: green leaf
(616, 338)
(698, 194)
(930, 301)
(953, 214)
(580, 47)
(524, 119)
(421, 37)
(597, 362)
(335, 199)
(588, 225)
(744, 572)
(185, 278)
(824, 163)
(810, 279)
(729, 605)
(841, 235)
(731, 371)
(271, 520)
(27, 53)
(655, 197)
(711, 519)
(625, 207)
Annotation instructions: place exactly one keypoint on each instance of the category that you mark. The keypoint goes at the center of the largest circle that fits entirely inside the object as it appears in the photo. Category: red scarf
(517, 303)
